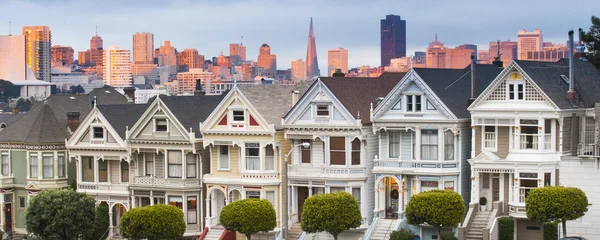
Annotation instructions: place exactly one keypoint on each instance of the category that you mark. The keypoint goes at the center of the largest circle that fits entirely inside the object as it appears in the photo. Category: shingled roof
(453, 86)
(191, 110)
(357, 93)
(273, 101)
(121, 116)
(547, 75)
(37, 126)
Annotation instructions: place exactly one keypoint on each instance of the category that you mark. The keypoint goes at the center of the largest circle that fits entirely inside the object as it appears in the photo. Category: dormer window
(322, 110)
(161, 125)
(238, 115)
(98, 132)
(515, 91)
(413, 103)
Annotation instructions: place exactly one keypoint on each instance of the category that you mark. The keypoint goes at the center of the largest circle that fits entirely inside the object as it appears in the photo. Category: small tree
(249, 216)
(438, 208)
(61, 214)
(153, 222)
(556, 204)
(102, 222)
(591, 39)
(332, 213)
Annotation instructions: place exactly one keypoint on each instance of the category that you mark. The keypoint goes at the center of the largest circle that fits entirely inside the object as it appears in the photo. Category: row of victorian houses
(482, 131)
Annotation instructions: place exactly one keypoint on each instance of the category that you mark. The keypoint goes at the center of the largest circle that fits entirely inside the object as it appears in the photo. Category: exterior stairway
(477, 225)
(214, 234)
(383, 229)
(295, 231)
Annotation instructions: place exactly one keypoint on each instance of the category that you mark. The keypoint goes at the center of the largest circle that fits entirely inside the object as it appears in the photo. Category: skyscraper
(167, 54)
(393, 38)
(439, 56)
(117, 67)
(189, 59)
(237, 52)
(312, 65)
(143, 48)
(37, 50)
(96, 53)
(267, 61)
(529, 42)
(62, 55)
(469, 46)
(337, 59)
(508, 49)
(13, 64)
(299, 70)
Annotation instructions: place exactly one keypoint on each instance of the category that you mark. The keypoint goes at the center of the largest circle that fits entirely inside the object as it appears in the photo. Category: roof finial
(95, 101)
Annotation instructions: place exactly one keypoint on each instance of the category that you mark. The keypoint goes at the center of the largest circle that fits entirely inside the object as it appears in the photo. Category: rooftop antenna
(9, 28)
(96, 29)
(242, 40)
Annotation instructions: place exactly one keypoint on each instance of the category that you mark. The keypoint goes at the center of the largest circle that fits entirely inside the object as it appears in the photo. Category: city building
(237, 52)
(186, 81)
(267, 61)
(337, 59)
(312, 63)
(469, 46)
(37, 50)
(393, 38)
(508, 51)
(96, 53)
(64, 78)
(149, 71)
(167, 55)
(32, 88)
(143, 48)
(299, 70)
(13, 63)
(529, 42)
(439, 56)
(483, 57)
(84, 58)
(402, 64)
(62, 55)
(188, 59)
(224, 61)
(117, 67)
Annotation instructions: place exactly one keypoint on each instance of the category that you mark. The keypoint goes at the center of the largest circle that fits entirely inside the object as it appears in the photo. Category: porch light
(516, 179)
(472, 178)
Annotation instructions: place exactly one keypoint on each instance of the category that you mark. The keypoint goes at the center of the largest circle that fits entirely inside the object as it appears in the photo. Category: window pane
(306, 151)
(252, 156)
(511, 91)
(238, 116)
(338, 143)
(548, 126)
(252, 194)
(427, 186)
(337, 150)
(520, 91)
(190, 170)
(394, 144)
(356, 194)
(48, 162)
(175, 164)
(409, 103)
(124, 171)
(5, 161)
(33, 166)
(61, 165)
(337, 189)
(417, 103)
(103, 171)
(149, 164)
(269, 158)
(176, 201)
(338, 158)
(87, 169)
(355, 152)
(449, 145)
(98, 132)
(429, 144)
(271, 197)
(161, 125)
(322, 110)
(192, 210)
(224, 157)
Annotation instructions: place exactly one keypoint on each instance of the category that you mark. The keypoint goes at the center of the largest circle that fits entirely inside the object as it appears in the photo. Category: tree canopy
(7, 90)
(556, 204)
(76, 89)
(61, 214)
(438, 208)
(591, 40)
(332, 213)
(153, 223)
(249, 216)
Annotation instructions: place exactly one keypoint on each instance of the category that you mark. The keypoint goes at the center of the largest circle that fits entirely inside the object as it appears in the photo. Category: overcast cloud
(210, 26)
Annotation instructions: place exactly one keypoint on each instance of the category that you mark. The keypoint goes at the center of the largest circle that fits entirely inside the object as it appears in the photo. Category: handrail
(494, 227)
(464, 226)
(203, 234)
(278, 236)
(105, 232)
(371, 229)
(301, 236)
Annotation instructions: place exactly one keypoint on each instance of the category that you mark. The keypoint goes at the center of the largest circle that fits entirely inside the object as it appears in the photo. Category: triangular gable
(306, 112)
(82, 135)
(497, 90)
(411, 82)
(145, 128)
(486, 156)
(222, 119)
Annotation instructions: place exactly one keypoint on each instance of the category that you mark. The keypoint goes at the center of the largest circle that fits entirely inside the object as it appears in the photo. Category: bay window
(124, 172)
(33, 165)
(190, 162)
(448, 145)
(192, 210)
(337, 150)
(87, 169)
(394, 144)
(48, 166)
(527, 182)
(305, 152)
(270, 195)
(269, 158)
(103, 171)
(175, 164)
(149, 159)
(355, 152)
(252, 156)
(61, 165)
(223, 157)
(529, 137)
(489, 138)
(429, 144)
(5, 164)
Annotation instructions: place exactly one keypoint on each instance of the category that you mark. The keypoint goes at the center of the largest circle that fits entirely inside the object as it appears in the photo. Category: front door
(495, 190)
(8, 217)
(302, 196)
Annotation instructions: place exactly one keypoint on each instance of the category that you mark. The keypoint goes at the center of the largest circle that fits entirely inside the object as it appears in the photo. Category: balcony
(146, 181)
(588, 150)
(260, 175)
(337, 172)
(108, 188)
(412, 166)
(45, 183)
(517, 210)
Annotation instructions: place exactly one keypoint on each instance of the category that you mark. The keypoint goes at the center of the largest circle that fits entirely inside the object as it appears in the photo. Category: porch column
(133, 205)
(473, 135)
(2, 213)
(183, 164)
(516, 193)
(79, 168)
(96, 171)
(108, 163)
(511, 183)
(541, 134)
(151, 198)
(110, 220)
(418, 144)
(475, 186)
(208, 210)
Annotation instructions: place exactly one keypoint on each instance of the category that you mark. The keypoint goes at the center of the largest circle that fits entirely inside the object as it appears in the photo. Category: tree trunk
(249, 236)
(564, 225)
(335, 237)
(439, 233)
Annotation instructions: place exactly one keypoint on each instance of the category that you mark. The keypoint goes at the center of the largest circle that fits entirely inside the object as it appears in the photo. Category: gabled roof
(121, 116)
(36, 126)
(453, 86)
(191, 110)
(547, 75)
(273, 101)
(9, 118)
(357, 93)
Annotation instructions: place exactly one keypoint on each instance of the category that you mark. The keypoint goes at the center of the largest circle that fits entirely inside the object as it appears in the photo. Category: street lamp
(284, 226)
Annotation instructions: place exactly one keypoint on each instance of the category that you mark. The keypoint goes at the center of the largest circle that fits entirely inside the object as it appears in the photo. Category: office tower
(299, 70)
(83, 58)
(96, 42)
(37, 50)
(117, 67)
(529, 42)
(143, 48)
(224, 61)
(337, 59)
(186, 81)
(237, 52)
(393, 38)
(312, 64)
(267, 61)
(96, 54)
(483, 56)
(13, 63)
(439, 56)
(62, 55)
(167, 55)
(469, 46)
(188, 59)
(419, 60)
(508, 49)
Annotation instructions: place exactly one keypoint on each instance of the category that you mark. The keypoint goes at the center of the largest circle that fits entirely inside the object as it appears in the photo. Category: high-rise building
(312, 64)
(167, 55)
(439, 56)
(37, 51)
(337, 59)
(420, 59)
(188, 59)
(62, 55)
(237, 52)
(267, 61)
(96, 42)
(186, 81)
(529, 42)
(117, 67)
(393, 38)
(149, 71)
(469, 46)
(224, 61)
(508, 51)
(83, 58)
(13, 63)
(483, 56)
(143, 48)
(299, 70)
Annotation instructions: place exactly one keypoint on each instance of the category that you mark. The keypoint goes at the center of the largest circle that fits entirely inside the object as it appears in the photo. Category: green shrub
(438, 208)
(506, 228)
(556, 204)
(249, 216)
(550, 231)
(102, 222)
(153, 222)
(332, 213)
(448, 236)
(402, 234)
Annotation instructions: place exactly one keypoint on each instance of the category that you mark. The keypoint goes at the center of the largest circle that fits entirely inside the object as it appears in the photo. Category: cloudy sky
(210, 25)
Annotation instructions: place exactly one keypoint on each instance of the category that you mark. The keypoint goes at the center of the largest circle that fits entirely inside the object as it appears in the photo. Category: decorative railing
(273, 175)
(212, 221)
(341, 171)
(151, 180)
(371, 229)
(392, 163)
(495, 229)
(588, 150)
(102, 187)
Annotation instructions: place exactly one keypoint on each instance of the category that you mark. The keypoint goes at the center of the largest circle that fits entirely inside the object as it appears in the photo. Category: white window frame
(322, 105)
(515, 84)
(37, 165)
(51, 156)
(436, 143)
(245, 167)
(63, 173)
(399, 145)
(155, 124)
(219, 167)
(265, 158)
(146, 164)
(233, 115)
(7, 165)
(413, 102)
(454, 140)
(187, 209)
(483, 147)
(121, 171)
(94, 133)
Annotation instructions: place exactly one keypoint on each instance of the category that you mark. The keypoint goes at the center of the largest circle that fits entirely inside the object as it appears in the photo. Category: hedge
(507, 228)
(550, 231)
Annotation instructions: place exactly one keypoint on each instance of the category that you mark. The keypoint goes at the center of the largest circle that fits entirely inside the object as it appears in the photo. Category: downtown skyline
(359, 33)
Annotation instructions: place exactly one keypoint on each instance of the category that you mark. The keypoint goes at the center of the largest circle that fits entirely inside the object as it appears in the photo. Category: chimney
(473, 78)
(199, 91)
(73, 120)
(497, 60)
(130, 94)
(295, 95)
(571, 93)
